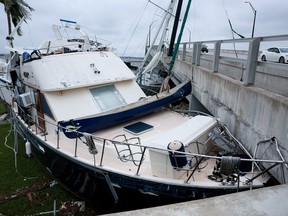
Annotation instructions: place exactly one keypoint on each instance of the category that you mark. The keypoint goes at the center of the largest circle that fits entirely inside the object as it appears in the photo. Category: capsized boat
(86, 119)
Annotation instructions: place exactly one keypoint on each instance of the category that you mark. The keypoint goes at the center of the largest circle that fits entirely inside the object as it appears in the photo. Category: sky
(126, 23)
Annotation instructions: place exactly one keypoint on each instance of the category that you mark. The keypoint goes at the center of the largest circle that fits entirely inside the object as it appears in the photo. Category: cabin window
(107, 97)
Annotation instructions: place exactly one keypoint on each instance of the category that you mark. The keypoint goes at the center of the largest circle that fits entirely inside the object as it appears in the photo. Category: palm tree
(16, 10)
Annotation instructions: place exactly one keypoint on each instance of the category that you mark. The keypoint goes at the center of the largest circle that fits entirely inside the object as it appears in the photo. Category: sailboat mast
(175, 26)
(179, 37)
(169, 10)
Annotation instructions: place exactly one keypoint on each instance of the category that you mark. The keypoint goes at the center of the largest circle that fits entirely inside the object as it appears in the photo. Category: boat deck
(155, 166)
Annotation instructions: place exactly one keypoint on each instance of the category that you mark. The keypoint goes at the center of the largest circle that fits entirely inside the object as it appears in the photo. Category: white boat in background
(151, 74)
(80, 109)
(5, 81)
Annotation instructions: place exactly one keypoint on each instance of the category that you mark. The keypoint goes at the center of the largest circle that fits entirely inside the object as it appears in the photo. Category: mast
(164, 25)
(179, 37)
(156, 35)
(175, 26)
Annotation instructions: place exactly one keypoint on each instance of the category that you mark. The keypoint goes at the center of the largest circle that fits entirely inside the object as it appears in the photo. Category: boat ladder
(128, 149)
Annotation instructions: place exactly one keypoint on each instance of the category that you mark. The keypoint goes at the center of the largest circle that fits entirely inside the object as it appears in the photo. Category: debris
(3, 116)
(29, 195)
(53, 183)
(72, 208)
(23, 191)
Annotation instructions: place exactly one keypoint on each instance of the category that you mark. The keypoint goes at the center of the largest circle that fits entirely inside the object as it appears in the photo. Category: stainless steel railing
(130, 147)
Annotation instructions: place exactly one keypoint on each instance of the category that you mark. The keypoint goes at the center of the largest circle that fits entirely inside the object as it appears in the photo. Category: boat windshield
(107, 97)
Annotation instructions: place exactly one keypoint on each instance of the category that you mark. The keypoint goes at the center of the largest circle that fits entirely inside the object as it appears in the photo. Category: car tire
(281, 60)
(263, 58)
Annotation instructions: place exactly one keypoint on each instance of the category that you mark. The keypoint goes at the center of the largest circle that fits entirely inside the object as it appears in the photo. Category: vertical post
(249, 73)
(54, 208)
(194, 53)
(36, 126)
(45, 133)
(184, 52)
(254, 20)
(179, 38)
(216, 57)
(15, 137)
(198, 54)
(76, 144)
(58, 130)
(175, 26)
(141, 160)
(102, 155)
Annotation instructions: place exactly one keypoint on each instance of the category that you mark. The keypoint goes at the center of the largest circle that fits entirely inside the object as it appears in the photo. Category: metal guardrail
(245, 62)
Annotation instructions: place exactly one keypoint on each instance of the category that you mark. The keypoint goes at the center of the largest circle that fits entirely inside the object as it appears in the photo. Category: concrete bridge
(249, 96)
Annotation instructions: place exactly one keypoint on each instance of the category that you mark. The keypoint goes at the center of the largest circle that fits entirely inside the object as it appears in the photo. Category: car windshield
(284, 50)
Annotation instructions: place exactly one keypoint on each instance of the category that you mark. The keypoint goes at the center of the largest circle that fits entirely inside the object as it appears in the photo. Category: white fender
(28, 148)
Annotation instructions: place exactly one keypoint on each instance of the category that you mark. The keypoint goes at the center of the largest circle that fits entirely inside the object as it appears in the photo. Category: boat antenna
(67, 21)
(179, 37)
(175, 26)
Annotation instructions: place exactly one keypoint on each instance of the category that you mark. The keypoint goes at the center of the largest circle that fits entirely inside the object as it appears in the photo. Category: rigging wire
(149, 1)
(144, 41)
(135, 28)
(30, 35)
(139, 47)
(121, 44)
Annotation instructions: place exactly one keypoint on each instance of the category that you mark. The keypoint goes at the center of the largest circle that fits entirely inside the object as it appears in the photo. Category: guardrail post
(184, 51)
(196, 53)
(249, 73)
(216, 57)
(193, 61)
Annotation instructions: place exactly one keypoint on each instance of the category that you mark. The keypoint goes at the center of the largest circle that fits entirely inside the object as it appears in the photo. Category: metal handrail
(188, 155)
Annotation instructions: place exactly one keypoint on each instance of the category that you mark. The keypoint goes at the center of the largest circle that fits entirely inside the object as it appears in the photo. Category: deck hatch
(138, 128)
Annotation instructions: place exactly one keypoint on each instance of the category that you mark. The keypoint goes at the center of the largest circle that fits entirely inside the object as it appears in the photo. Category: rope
(229, 164)
(90, 143)
(15, 155)
(165, 85)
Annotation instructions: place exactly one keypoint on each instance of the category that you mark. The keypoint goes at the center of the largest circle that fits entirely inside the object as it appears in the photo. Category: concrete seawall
(267, 201)
(252, 114)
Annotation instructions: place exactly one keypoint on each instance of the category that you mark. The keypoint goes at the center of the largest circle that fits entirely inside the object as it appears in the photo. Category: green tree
(15, 10)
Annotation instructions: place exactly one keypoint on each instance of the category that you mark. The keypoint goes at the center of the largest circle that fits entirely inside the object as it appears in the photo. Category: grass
(29, 181)
(2, 108)
(27, 185)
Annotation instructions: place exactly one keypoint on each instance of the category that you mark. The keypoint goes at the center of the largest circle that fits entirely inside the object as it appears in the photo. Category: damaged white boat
(86, 119)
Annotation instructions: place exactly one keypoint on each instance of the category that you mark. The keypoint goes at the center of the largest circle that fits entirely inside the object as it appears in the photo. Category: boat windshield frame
(107, 97)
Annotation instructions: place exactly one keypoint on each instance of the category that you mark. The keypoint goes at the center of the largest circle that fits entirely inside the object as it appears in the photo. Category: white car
(275, 54)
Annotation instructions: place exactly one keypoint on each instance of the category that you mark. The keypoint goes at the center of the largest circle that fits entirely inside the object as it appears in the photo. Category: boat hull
(85, 181)
(5, 91)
